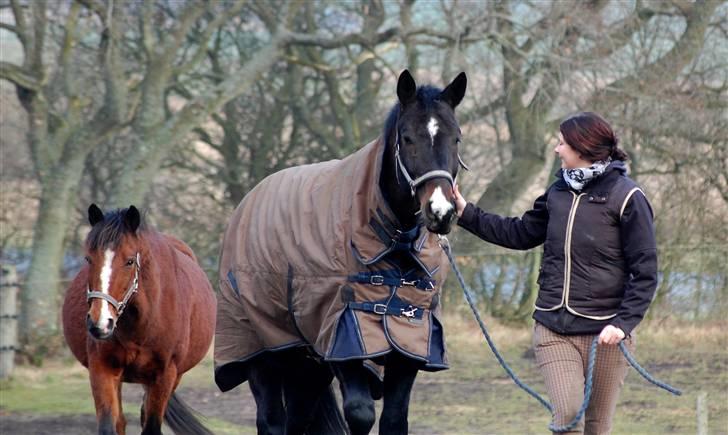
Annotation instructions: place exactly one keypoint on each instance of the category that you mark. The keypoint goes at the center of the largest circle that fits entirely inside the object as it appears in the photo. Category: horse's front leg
(106, 389)
(156, 398)
(358, 402)
(306, 381)
(399, 377)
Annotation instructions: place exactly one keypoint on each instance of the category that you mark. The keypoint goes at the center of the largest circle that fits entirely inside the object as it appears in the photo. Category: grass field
(474, 397)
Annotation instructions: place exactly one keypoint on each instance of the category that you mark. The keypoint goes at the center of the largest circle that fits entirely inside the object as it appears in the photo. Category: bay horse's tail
(328, 419)
(182, 419)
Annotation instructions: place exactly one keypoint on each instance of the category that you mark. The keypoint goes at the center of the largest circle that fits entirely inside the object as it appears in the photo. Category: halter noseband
(118, 306)
(429, 175)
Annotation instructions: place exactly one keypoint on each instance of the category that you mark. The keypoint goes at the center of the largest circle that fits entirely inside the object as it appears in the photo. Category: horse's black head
(426, 136)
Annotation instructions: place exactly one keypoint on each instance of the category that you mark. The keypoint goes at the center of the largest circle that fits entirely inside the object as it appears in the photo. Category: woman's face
(570, 159)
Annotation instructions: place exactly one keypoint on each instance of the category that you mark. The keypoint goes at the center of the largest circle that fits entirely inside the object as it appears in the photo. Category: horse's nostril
(111, 324)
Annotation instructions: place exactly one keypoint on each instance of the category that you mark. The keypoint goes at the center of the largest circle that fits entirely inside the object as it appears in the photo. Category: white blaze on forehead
(432, 129)
(105, 284)
(439, 204)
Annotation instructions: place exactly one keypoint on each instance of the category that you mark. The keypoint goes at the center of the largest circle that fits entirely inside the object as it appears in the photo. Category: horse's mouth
(439, 226)
(103, 336)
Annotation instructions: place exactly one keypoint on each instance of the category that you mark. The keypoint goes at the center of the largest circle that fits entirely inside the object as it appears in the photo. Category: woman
(599, 267)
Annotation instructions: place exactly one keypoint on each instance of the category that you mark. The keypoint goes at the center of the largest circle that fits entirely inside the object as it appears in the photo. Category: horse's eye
(88, 259)
(130, 262)
(457, 141)
(408, 140)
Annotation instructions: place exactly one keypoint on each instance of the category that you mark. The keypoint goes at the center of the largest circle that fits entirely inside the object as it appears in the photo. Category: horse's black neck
(395, 189)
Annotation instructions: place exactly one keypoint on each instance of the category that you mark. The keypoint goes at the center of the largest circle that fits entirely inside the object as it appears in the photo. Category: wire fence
(692, 280)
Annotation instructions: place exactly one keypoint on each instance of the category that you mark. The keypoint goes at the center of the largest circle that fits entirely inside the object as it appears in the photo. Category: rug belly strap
(391, 309)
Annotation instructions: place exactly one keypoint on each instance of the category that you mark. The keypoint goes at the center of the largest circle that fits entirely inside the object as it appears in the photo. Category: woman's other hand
(611, 335)
(460, 202)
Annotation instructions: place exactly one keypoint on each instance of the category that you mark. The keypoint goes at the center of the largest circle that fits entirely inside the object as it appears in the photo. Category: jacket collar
(605, 181)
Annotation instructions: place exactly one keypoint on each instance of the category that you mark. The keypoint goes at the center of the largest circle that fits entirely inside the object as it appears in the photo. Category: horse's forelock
(428, 98)
(109, 232)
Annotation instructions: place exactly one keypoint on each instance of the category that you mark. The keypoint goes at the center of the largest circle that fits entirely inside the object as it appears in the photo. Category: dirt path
(236, 407)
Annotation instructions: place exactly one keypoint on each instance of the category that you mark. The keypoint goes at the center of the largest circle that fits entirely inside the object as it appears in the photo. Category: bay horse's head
(113, 251)
(426, 137)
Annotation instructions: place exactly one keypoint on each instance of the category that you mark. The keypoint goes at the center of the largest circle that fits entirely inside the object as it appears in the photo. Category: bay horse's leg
(358, 402)
(121, 421)
(266, 385)
(305, 382)
(157, 396)
(399, 377)
(105, 387)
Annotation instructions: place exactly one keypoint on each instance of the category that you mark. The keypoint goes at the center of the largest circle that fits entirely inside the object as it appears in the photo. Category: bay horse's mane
(109, 232)
(427, 95)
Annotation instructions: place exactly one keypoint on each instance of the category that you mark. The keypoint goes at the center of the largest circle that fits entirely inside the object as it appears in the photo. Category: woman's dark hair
(592, 137)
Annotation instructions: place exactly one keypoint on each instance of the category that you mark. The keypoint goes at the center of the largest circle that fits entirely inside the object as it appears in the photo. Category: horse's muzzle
(439, 208)
(439, 224)
(100, 333)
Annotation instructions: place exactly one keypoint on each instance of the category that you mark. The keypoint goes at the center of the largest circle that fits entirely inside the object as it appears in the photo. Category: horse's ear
(406, 88)
(132, 218)
(455, 91)
(95, 215)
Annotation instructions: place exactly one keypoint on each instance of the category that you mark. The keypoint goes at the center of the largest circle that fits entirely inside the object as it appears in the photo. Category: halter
(435, 173)
(118, 306)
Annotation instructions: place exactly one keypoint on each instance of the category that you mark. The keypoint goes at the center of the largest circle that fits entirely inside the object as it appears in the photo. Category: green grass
(475, 396)
(62, 388)
(47, 391)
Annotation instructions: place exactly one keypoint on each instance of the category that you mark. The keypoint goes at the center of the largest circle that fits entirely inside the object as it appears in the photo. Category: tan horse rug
(304, 263)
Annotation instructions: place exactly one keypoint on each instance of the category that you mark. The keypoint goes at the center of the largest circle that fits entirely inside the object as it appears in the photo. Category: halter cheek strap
(119, 306)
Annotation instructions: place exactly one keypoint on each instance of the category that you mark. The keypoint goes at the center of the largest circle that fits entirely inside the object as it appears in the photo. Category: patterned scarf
(577, 178)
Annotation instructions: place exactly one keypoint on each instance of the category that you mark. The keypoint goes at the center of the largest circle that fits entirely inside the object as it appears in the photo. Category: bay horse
(142, 311)
(324, 272)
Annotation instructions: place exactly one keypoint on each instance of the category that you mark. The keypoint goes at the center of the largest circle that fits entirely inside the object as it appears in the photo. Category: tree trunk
(41, 296)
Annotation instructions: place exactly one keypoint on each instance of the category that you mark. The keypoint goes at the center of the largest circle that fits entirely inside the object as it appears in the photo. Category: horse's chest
(143, 368)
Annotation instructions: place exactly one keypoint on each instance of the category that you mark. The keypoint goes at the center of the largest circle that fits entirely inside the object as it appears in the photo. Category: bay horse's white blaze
(439, 203)
(103, 322)
(432, 127)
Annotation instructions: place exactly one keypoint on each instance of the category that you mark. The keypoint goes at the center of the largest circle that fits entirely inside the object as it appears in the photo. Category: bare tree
(113, 65)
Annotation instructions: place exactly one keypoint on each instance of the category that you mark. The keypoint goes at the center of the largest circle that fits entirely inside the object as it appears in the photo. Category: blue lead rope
(590, 366)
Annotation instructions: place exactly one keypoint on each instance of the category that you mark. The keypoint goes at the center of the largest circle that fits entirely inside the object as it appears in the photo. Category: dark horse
(300, 319)
(142, 311)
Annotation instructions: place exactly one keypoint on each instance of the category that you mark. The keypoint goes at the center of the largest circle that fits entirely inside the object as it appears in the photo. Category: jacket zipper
(567, 248)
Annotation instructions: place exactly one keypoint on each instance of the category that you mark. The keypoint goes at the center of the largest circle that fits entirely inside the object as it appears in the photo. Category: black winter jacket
(599, 262)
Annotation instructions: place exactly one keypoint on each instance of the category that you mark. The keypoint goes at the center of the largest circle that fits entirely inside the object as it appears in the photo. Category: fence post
(702, 412)
(8, 319)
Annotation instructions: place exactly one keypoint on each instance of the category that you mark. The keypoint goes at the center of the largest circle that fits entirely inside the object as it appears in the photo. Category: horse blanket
(304, 263)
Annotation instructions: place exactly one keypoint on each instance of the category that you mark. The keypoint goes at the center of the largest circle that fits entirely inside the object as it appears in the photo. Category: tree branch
(66, 52)
(20, 23)
(684, 50)
(116, 88)
(97, 7)
(204, 39)
(191, 13)
(35, 57)
(19, 76)
(338, 42)
(9, 27)
(148, 39)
